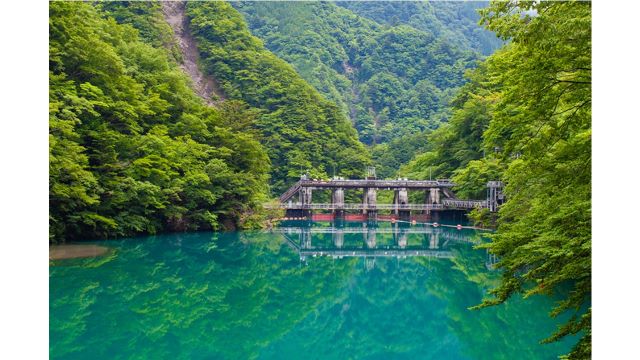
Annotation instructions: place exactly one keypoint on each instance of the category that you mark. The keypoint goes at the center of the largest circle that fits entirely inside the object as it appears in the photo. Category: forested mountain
(393, 67)
(455, 21)
(134, 150)
(393, 81)
(301, 130)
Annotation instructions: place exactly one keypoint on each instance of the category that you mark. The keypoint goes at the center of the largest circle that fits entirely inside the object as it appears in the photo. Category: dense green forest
(301, 130)
(525, 117)
(132, 149)
(454, 21)
(393, 81)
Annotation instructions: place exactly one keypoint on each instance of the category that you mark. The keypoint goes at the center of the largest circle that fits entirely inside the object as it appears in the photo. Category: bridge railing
(292, 191)
(355, 206)
(465, 204)
(359, 183)
(446, 204)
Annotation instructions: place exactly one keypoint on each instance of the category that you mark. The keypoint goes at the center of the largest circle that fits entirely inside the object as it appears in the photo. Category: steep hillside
(301, 133)
(301, 130)
(205, 85)
(455, 21)
(132, 148)
(392, 81)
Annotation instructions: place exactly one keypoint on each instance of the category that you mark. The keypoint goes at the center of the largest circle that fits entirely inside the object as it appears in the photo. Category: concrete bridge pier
(400, 200)
(495, 197)
(434, 196)
(306, 201)
(402, 239)
(369, 202)
(337, 201)
(305, 238)
(434, 240)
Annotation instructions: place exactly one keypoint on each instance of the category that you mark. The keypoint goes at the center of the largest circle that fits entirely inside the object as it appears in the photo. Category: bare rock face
(205, 86)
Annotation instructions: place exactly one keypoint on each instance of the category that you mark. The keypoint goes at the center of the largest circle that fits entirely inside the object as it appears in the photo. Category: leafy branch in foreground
(543, 115)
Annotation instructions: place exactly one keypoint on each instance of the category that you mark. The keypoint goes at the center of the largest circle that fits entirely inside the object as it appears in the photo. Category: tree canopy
(301, 130)
(132, 148)
(525, 116)
(392, 80)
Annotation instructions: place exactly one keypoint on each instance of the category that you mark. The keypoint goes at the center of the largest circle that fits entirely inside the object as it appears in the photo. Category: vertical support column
(434, 195)
(305, 238)
(369, 202)
(337, 202)
(402, 239)
(305, 200)
(434, 240)
(401, 199)
(427, 211)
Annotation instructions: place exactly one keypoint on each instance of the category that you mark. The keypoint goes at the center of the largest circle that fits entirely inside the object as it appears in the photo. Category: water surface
(305, 291)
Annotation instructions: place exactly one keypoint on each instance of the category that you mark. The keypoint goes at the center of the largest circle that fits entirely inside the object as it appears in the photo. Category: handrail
(360, 183)
(466, 204)
(289, 193)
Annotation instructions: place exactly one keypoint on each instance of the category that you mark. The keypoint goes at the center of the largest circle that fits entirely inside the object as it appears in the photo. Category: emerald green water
(264, 295)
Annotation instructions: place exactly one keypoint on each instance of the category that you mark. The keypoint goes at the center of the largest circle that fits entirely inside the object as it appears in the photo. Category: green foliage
(393, 81)
(300, 129)
(146, 17)
(455, 22)
(460, 141)
(132, 148)
(389, 157)
(188, 295)
(471, 180)
(528, 108)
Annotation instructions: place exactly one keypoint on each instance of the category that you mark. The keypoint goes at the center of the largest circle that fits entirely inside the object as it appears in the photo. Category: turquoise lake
(301, 291)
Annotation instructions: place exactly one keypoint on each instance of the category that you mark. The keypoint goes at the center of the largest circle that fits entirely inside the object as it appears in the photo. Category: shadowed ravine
(205, 86)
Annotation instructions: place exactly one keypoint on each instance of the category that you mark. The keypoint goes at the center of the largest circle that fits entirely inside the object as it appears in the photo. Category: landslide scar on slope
(205, 86)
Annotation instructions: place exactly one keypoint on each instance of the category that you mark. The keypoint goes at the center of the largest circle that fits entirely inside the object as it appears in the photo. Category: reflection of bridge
(432, 242)
(437, 197)
(456, 236)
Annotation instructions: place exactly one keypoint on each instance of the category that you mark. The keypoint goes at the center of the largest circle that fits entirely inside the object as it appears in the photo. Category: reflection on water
(369, 241)
(361, 239)
(247, 295)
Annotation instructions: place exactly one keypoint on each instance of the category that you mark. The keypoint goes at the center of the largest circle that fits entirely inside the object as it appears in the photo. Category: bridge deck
(378, 184)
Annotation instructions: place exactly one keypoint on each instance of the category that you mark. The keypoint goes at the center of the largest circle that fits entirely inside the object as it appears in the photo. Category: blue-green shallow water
(251, 295)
